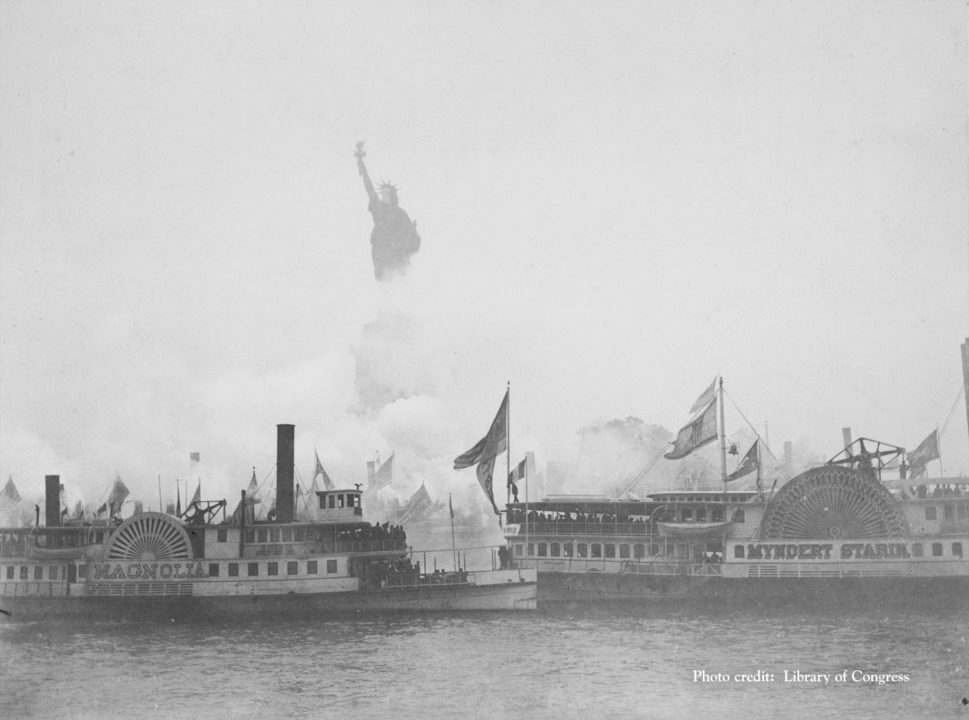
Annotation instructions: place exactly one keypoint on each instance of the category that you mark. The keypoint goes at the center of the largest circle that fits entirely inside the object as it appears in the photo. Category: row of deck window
(263, 535)
(588, 550)
(672, 514)
(949, 512)
(336, 501)
(53, 572)
(272, 568)
(252, 569)
(638, 550)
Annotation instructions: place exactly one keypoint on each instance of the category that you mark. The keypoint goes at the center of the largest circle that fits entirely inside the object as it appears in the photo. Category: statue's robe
(393, 240)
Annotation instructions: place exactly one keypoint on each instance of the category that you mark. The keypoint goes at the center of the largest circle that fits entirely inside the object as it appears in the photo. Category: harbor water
(642, 661)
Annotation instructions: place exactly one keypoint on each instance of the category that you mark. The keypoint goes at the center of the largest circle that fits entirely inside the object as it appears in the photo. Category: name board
(148, 571)
(512, 530)
(827, 551)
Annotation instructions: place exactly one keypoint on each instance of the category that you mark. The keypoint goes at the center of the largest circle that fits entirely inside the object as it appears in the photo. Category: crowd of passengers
(12, 544)
(372, 533)
(518, 516)
(404, 572)
(941, 490)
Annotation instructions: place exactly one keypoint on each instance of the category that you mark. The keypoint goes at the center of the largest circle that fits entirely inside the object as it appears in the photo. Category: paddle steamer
(832, 530)
(853, 529)
(158, 565)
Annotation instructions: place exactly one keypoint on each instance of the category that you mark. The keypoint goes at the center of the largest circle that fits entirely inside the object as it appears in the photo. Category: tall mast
(454, 552)
(723, 442)
(965, 376)
(760, 486)
(507, 443)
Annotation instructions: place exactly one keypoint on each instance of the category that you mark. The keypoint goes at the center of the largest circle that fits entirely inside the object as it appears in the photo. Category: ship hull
(497, 597)
(557, 589)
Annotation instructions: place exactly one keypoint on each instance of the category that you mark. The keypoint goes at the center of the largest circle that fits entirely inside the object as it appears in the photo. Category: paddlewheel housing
(834, 503)
(149, 536)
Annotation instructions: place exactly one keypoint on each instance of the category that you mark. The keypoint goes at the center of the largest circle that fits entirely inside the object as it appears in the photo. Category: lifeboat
(692, 529)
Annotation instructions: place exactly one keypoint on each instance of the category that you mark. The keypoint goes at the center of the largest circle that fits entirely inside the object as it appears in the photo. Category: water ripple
(602, 662)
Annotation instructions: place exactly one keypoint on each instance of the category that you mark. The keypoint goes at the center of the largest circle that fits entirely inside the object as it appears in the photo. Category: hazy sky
(617, 202)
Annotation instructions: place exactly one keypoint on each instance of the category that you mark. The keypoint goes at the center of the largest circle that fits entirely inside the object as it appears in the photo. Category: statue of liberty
(394, 238)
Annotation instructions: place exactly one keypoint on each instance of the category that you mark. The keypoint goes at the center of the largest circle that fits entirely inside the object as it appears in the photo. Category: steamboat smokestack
(52, 512)
(284, 472)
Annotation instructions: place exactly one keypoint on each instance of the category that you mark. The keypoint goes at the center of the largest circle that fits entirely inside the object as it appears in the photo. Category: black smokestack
(284, 472)
(52, 512)
(846, 436)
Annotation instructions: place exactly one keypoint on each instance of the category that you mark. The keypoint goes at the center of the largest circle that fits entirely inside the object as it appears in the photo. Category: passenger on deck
(504, 559)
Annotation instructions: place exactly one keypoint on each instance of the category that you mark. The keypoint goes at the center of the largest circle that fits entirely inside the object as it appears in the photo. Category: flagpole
(723, 442)
(393, 490)
(454, 551)
(938, 446)
(507, 447)
(526, 505)
(760, 486)
(965, 376)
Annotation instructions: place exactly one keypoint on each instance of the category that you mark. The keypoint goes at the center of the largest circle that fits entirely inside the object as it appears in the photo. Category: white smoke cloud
(185, 272)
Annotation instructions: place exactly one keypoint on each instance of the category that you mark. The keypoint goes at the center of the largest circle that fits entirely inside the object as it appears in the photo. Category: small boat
(693, 529)
(90, 552)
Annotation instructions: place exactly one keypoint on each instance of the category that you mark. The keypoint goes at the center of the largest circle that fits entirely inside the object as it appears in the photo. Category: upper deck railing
(572, 528)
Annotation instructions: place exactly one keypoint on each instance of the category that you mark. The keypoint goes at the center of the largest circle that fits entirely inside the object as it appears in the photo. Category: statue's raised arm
(360, 154)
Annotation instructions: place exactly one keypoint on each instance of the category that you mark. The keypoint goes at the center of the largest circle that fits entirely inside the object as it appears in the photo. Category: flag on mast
(417, 507)
(197, 497)
(118, 493)
(518, 473)
(705, 397)
(696, 433)
(921, 456)
(384, 475)
(252, 492)
(252, 497)
(750, 463)
(327, 483)
(486, 450)
(9, 495)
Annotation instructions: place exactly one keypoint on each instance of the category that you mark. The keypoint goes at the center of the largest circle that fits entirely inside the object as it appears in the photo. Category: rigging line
(952, 409)
(642, 473)
(259, 487)
(750, 425)
(308, 505)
